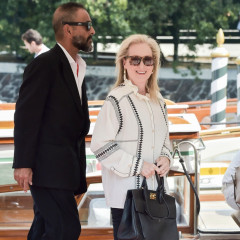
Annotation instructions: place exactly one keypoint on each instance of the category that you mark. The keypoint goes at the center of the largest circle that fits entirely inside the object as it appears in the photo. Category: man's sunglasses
(88, 25)
(136, 60)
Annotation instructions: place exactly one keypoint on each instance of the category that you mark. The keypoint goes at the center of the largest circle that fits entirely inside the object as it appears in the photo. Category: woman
(131, 133)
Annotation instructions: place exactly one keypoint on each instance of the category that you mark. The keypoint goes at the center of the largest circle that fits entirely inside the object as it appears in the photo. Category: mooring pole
(219, 82)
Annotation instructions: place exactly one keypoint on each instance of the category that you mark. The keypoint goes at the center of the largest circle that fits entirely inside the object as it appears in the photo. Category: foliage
(169, 17)
(18, 16)
(119, 18)
(108, 20)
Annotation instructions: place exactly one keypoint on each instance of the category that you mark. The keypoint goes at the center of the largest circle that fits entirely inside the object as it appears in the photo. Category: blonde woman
(131, 133)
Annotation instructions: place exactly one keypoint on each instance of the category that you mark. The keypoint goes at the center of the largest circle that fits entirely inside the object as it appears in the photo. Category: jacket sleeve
(167, 148)
(29, 112)
(106, 148)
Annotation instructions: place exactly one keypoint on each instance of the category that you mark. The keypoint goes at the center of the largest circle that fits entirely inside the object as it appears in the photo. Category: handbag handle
(160, 188)
(160, 195)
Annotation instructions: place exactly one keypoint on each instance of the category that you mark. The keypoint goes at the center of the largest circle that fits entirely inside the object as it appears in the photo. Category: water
(177, 87)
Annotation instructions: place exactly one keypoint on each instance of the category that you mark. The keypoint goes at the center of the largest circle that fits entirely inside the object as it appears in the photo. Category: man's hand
(24, 177)
(164, 165)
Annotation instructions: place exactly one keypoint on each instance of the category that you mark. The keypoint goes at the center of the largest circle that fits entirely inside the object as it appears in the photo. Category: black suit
(51, 124)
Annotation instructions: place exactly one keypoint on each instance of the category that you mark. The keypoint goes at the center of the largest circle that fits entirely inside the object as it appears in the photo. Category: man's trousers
(55, 215)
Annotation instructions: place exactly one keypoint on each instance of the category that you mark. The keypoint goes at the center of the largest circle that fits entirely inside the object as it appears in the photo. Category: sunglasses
(136, 60)
(88, 25)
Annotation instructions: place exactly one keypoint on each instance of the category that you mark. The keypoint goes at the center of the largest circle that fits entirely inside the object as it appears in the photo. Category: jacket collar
(69, 77)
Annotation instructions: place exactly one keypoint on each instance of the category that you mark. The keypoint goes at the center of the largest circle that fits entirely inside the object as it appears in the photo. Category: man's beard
(80, 44)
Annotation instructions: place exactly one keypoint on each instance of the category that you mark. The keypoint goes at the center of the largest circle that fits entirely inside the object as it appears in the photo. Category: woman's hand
(149, 169)
(163, 164)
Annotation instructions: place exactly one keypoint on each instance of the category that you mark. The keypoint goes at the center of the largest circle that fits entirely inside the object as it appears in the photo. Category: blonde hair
(152, 85)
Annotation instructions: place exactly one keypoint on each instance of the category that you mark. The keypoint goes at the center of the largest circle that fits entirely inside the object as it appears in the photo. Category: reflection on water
(178, 87)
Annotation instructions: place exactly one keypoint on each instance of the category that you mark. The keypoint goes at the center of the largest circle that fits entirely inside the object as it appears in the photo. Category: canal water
(178, 87)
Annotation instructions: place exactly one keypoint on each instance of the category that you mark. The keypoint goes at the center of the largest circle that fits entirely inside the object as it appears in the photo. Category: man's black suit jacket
(51, 124)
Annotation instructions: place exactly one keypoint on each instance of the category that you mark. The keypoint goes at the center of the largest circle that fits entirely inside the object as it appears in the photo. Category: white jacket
(130, 129)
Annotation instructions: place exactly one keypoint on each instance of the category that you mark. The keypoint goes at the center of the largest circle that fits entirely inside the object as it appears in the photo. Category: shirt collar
(80, 61)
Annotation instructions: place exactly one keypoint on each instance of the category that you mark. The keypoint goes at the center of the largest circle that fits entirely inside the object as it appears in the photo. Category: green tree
(204, 17)
(108, 20)
(169, 17)
(18, 16)
(119, 18)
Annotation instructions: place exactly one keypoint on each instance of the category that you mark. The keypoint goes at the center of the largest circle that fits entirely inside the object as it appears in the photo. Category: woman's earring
(124, 75)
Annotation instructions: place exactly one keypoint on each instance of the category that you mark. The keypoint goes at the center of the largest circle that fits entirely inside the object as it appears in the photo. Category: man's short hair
(32, 35)
(67, 11)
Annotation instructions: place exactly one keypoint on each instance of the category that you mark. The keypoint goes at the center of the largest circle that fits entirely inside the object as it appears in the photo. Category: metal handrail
(177, 149)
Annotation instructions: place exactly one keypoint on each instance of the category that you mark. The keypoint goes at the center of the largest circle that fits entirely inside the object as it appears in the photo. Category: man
(51, 122)
(228, 187)
(33, 42)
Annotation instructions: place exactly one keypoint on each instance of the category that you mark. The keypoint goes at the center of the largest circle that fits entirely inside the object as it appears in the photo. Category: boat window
(6, 161)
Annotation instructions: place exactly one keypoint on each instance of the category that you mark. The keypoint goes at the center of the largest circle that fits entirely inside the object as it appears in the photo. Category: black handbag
(149, 215)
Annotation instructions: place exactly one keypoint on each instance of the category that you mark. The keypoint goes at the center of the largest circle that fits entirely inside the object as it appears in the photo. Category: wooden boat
(16, 207)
